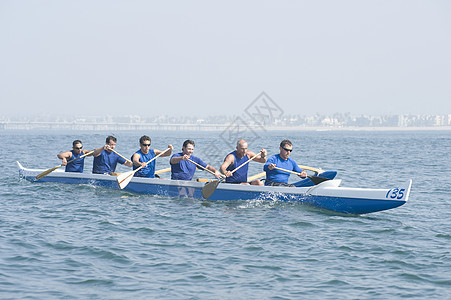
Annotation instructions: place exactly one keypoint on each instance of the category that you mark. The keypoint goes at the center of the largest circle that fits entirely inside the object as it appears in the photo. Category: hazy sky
(210, 57)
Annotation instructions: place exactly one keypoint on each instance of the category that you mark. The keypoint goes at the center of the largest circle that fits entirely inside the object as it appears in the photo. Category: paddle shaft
(212, 173)
(162, 171)
(121, 155)
(210, 187)
(245, 163)
(311, 169)
(288, 171)
(156, 172)
(314, 179)
(90, 152)
(256, 176)
(236, 169)
(249, 179)
(142, 166)
(45, 173)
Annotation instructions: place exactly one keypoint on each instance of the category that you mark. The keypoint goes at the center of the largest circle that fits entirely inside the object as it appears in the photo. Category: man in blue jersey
(145, 154)
(105, 160)
(238, 157)
(77, 163)
(282, 160)
(181, 166)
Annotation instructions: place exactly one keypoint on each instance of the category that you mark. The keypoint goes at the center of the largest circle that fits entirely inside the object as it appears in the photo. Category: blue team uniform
(77, 165)
(184, 170)
(277, 175)
(106, 162)
(241, 174)
(149, 171)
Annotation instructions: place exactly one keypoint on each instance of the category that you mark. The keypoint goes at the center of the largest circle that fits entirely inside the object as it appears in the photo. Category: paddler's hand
(143, 164)
(171, 147)
(185, 157)
(263, 153)
(64, 162)
(303, 174)
(228, 174)
(218, 174)
(271, 166)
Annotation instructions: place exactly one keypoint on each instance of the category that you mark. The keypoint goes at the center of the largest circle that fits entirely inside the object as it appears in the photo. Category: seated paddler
(73, 159)
(105, 159)
(184, 164)
(146, 154)
(277, 177)
(235, 159)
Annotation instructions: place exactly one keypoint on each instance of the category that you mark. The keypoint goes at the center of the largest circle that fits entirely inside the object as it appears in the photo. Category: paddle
(162, 171)
(210, 187)
(199, 166)
(315, 179)
(256, 176)
(121, 155)
(317, 171)
(156, 172)
(47, 172)
(124, 178)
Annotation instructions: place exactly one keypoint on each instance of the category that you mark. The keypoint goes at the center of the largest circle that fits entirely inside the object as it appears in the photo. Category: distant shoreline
(49, 126)
(429, 128)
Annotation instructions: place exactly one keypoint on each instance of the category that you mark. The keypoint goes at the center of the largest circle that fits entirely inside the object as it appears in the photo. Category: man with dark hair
(282, 160)
(145, 154)
(105, 160)
(181, 166)
(77, 164)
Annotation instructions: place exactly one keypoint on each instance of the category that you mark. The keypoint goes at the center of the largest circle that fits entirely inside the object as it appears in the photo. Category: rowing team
(183, 165)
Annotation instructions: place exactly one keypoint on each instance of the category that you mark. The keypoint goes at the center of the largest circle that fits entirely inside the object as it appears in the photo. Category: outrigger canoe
(325, 195)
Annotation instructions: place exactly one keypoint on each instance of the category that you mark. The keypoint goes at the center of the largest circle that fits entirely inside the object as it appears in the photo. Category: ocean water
(79, 241)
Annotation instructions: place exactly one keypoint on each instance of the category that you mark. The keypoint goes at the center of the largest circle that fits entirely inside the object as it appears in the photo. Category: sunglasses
(146, 145)
(288, 150)
(78, 148)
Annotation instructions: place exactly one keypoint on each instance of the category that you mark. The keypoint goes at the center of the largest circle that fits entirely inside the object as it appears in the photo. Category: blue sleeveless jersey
(148, 171)
(240, 175)
(76, 166)
(184, 170)
(106, 162)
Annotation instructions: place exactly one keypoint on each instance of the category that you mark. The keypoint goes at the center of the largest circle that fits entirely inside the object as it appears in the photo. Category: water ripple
(67, 241)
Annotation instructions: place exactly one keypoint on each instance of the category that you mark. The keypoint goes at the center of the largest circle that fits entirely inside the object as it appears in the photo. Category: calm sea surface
(79, 241)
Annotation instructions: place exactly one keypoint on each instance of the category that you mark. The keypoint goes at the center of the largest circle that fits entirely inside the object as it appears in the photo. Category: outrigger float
(326, 195)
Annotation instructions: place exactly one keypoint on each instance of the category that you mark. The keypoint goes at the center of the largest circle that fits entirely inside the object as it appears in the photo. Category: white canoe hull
(326, 195)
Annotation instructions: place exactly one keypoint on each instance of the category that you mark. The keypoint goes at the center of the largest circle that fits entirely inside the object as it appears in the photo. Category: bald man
(238, 157)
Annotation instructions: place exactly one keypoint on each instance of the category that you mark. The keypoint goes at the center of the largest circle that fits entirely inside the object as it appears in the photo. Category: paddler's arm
(136, 162)
(176, 159)
(64, 156)
(269, 162)
(211, 168)
(167, 153)
(261, 158)
(296, 168)
(90, 154)
(97, 151)
(128, 163)
(227, 162)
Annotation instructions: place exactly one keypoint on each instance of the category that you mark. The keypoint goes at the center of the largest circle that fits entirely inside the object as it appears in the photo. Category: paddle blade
(317, 180)
(45, 173)
(124, 178)
(210, 188)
